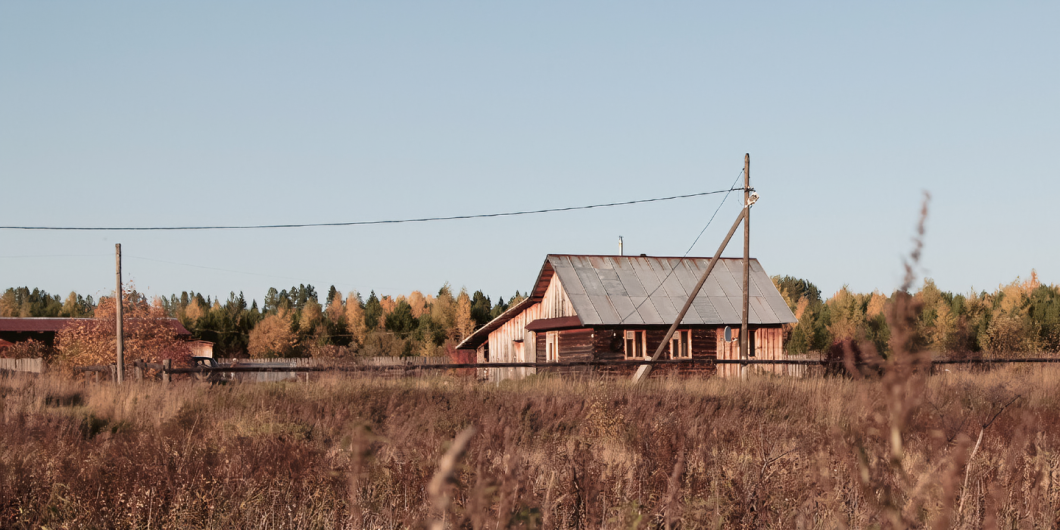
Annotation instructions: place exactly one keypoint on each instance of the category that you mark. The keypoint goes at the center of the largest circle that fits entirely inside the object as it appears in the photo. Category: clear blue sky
(183, 113)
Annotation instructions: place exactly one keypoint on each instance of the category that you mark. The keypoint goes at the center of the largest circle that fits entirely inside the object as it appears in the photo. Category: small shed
(44, 329)
(589, 307)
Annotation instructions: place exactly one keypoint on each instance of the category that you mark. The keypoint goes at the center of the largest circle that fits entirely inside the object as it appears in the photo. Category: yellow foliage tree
(194, 311)
(388, 304)
(847, 315)
(443, 310)
(355, 318)
(311, 316)
(335, 311)
(418, 303)
(272, 337)
(465, 325)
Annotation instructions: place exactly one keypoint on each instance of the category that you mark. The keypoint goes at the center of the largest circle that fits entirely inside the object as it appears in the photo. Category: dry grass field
(546, 453)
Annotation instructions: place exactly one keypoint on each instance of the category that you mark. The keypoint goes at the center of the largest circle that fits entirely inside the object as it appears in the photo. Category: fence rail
(568, 364)
(166, 369)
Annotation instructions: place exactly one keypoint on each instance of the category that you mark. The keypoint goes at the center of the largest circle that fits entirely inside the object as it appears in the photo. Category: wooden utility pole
(745, 342)
(117, 305)
(644, 370)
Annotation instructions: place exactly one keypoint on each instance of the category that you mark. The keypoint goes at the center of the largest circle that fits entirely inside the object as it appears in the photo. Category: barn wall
(769, 345)
(502, 345)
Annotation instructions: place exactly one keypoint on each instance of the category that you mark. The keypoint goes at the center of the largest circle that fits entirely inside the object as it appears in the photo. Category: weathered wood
(167, 367)
(118, 299)
(745, 335)
(644, 371)
(139, 370)
(554, 304)
(28, 365)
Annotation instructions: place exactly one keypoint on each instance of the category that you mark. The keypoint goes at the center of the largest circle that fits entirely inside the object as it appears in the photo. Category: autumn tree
(418, 304)
(355, 318)
(148, 334)
(465, 323)
(272, 337)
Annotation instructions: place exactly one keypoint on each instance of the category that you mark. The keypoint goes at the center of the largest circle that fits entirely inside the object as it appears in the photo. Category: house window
(551, 346)
(635, 345)
(681, 344)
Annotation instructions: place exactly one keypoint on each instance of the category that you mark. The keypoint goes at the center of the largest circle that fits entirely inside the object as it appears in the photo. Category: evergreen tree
(480, 309)
(373, 311)
(400, 320)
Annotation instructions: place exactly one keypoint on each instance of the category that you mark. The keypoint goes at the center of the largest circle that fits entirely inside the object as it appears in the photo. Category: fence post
(113, 372)
(96, 374)
(166, 365)
(139, 370)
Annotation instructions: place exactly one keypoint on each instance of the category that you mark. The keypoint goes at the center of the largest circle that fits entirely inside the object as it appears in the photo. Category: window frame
(643, 343)
(551, 346)
(680, 335)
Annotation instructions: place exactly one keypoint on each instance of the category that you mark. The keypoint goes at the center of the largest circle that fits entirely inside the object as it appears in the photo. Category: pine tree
(373, 312)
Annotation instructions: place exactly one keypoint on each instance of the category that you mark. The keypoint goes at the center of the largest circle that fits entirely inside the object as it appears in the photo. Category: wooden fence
(31, 366)
(306, 366)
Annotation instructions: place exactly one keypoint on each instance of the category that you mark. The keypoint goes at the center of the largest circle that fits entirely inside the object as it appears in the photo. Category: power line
(364, 223)
(672, 269)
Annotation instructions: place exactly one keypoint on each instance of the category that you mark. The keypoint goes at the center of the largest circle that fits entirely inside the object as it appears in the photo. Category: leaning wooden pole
(645, 369)
(745, 336)
(117, 305)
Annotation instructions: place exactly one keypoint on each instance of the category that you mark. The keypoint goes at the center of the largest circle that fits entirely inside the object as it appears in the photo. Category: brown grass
(359, 453)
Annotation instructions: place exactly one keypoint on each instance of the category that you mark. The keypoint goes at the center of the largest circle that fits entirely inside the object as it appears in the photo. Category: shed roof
(54, 325)
(650, 291)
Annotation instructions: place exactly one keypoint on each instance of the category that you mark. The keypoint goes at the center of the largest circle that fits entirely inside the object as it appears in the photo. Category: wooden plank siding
(512, 343)
(769, 346)
(503, 345)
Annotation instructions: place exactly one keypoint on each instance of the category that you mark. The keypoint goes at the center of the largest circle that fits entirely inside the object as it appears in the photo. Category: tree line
(1022, 317)
(1016, 318)
(294, 322)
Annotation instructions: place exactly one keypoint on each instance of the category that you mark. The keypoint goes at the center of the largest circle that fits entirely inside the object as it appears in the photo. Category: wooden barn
(44, 329)
(620, 307)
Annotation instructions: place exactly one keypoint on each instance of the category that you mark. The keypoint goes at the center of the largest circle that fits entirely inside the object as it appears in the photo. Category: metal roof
(54, 325)
(645, 290)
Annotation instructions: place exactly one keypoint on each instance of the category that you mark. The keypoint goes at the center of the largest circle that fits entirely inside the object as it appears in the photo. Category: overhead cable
(363, 223)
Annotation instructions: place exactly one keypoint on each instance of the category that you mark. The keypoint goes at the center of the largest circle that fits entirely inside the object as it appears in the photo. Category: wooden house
(620, 307)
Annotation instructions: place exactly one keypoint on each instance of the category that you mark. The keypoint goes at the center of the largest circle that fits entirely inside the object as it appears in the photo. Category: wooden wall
(609, 345)
(574, 345)
(502, 341)
(769, 345)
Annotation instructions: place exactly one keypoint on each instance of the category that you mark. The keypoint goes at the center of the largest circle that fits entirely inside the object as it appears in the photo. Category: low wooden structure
(45, 329)
(585, 308)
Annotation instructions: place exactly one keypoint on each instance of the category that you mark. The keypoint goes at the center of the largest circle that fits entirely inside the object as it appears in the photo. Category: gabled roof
(650, 291)
(614, 290)
(54, 325)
